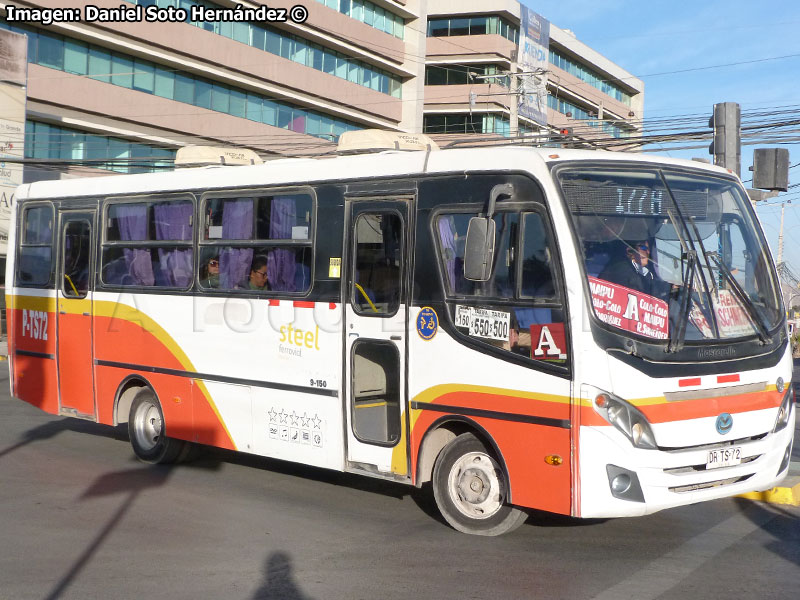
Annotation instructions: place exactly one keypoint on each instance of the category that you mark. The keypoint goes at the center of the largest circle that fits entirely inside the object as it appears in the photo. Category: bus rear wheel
(146, 431)
(471, 489)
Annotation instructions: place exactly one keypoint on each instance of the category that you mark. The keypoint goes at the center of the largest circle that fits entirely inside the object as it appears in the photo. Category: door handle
(87, 314)
(396, 338)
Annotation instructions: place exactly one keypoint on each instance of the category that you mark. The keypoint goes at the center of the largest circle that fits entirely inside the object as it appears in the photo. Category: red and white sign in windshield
(629, 309)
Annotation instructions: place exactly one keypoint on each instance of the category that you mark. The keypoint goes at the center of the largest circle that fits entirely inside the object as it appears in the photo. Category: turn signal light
(553, 460)
(602, 400)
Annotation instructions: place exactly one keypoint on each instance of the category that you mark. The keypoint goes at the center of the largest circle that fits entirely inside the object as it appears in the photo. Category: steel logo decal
(724, 423)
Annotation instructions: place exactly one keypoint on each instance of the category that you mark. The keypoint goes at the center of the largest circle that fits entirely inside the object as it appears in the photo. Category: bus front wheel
(146, 431)
(471, 489)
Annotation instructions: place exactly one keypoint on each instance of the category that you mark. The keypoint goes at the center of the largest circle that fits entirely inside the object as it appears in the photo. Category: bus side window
(127, 261)
(34, 262)
(241, 233)
(520, 308)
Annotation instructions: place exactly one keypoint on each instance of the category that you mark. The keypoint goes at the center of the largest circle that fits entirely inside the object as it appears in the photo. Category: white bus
(591, 334)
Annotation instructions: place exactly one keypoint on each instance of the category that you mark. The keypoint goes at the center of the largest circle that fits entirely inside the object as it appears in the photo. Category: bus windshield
(672, 256)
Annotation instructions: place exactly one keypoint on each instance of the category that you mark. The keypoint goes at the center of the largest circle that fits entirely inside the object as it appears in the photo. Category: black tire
(146, 431)
(470, 489)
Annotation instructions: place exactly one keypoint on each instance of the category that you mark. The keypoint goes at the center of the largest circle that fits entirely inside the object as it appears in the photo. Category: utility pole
(726, 147)
(780, 237)
(514, 108)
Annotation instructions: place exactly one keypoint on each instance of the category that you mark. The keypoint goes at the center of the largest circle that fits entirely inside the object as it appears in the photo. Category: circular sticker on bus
(427, 323)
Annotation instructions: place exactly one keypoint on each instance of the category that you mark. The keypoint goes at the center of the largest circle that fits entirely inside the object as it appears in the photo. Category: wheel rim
(476, 485)
(147, 426)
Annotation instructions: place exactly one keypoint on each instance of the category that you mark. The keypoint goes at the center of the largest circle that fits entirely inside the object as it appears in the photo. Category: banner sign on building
(13, 71)
(533, 57)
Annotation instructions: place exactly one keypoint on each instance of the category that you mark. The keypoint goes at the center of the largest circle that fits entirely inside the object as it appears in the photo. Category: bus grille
(715, 445)
(702, 467)
(711, 484)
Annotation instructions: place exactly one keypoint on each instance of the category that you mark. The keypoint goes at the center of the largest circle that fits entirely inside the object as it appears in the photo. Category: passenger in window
(258, 279)
(209, 273)
(635, 271)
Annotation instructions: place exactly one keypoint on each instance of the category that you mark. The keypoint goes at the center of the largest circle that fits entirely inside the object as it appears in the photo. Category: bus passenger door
(74, 296)
(376, 305)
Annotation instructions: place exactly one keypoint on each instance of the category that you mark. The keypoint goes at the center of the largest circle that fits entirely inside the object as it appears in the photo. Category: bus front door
(74, 346)
(376, 306)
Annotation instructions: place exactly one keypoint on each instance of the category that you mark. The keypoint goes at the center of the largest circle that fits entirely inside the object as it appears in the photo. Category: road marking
(667, 571)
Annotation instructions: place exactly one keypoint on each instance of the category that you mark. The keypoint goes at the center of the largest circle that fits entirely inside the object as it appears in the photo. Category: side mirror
(479, 249)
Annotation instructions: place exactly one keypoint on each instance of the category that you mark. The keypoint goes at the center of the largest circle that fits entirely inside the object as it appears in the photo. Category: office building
(123, 96)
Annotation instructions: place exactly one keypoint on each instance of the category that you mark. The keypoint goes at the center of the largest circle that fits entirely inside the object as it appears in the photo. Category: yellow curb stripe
(778, 495)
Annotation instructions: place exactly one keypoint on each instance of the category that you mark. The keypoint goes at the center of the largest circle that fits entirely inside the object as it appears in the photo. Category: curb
(778, 495)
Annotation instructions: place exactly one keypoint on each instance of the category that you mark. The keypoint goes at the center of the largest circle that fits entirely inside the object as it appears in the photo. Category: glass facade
(588, 75)
(292, 47)
(80, 58)
(581, 114)
(459, 74)
(467, 123)
(369, 13)
(475, 25)
(52, 142)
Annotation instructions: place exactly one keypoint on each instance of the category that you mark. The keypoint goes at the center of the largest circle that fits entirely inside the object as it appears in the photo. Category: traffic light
(726, 147)
(771, 169)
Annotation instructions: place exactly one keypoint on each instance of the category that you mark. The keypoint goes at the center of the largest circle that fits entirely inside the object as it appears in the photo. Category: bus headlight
(784, 412)
(627, 418)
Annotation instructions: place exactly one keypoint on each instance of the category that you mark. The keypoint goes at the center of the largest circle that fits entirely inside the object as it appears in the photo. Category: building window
(380, 18)
(460, 74)
(122, 156)
(119, 69)
(291, 47)
(475, 25)
(590, 76)
(581, 114)
(467, 123)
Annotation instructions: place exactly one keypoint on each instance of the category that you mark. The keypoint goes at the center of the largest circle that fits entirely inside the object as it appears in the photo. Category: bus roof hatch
(377, 140)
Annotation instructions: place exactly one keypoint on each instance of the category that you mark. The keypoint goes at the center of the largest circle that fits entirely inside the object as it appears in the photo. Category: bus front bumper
(618, 480)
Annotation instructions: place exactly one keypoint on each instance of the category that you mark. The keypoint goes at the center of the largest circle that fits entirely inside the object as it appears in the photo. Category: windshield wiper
(741, 296)
(676, 342)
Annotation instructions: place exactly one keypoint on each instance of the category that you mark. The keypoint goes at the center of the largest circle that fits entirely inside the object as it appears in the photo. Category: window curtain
(447, 237)
(237, 224)
(132, 223)
(174, 222)
(281, 261)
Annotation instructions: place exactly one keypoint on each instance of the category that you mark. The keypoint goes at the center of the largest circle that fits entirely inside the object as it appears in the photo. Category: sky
(654, 39)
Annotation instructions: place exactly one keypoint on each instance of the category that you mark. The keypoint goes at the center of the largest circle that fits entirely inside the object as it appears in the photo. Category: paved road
(80, 518)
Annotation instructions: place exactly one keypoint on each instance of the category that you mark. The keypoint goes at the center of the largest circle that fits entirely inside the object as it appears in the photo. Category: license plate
(724, 457)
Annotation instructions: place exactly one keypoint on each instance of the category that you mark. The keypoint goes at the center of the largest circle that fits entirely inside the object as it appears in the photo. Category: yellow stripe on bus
(42, 303)
(116, 310)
